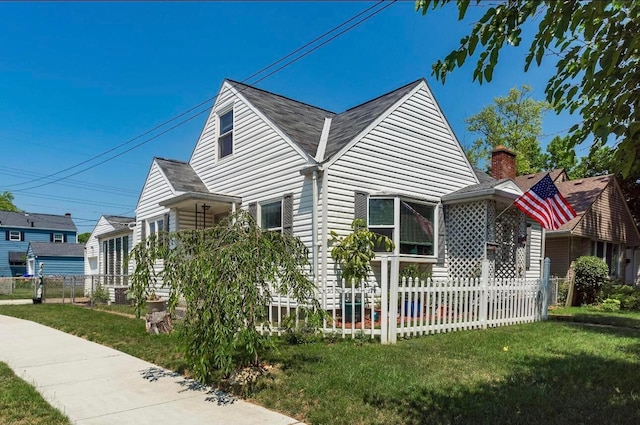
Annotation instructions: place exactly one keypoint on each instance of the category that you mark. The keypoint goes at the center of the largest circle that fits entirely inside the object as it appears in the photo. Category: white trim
(219, 112)
(374, 124)
(271, 201)
(12, 239)
(274, 127)
(322, 146)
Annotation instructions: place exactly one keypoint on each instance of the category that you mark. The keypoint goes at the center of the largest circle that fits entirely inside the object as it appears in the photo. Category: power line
(206, 101)
(76, 183)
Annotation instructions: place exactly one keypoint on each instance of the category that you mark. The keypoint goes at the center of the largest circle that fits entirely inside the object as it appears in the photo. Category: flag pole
(504, 211)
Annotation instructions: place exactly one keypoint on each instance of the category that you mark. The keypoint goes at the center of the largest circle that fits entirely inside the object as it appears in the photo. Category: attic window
(58, 238)
(225, 139)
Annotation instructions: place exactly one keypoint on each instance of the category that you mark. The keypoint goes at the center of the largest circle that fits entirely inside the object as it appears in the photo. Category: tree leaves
(227, 276)
(514, 121)
(598, 44)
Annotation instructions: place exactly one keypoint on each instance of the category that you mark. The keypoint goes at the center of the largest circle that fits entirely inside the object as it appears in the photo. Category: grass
(623, 319)
(21, 404)
(547, 372)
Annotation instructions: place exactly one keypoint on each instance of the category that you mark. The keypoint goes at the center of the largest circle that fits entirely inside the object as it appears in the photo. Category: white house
(393, 161)
(106, 250)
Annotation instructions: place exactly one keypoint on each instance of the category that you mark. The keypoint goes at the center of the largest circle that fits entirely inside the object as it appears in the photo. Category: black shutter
(360, 206)
(166, 222)
(51, 237)
(441, 233)
(64, 238)
(6, 235)
(143, 229)
(253, 210)
(287, 214)
(22, 236)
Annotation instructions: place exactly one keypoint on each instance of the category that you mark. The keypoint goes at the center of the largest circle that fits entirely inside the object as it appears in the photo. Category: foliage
(84, 237)
(560, 154)
(514, 121)
(415, 271)
(610, 304)
(226, 275)
(100, 295)
(6, 202)
(563, 291)
(628, 296)
(596, 73)
(591, 273)
(354, 252)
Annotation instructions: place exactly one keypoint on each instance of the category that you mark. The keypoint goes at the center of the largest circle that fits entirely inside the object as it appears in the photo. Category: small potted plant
(353, 253)
(155, 303)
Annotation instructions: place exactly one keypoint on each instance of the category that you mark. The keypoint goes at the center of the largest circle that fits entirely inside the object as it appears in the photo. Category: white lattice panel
(466, 230)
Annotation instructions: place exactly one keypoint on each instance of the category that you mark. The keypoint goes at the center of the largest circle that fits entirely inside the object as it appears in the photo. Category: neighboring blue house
(18, 229)
(58, 258)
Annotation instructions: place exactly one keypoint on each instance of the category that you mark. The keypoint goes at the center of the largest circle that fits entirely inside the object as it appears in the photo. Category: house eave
(486, 194)
(189, 197)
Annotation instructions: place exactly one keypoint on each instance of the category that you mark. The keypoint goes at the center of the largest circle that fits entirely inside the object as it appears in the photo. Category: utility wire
(206, 101)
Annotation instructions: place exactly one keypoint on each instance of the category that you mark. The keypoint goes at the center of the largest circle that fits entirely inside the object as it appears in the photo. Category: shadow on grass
(598, 319)
(567, 390)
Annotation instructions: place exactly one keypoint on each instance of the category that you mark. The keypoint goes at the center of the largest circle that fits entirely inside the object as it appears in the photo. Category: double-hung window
(271, 215)
(225, 137)
(156, 226)
(408, 223)
(15, 235)
(58, 238)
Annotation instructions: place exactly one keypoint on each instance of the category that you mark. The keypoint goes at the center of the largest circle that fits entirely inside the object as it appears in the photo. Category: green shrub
(563, 290)
(100, 295)
(610, 304)
(628, 296)
(591, 274)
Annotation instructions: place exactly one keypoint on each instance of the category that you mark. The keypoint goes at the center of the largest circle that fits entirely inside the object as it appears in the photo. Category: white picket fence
(400, 308)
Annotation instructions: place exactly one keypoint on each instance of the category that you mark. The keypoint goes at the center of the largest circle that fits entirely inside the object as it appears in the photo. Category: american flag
(544, 203)
(424, 223)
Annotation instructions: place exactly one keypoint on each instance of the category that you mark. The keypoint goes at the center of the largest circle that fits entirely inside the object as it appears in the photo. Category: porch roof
(188, 198)
(505, 189)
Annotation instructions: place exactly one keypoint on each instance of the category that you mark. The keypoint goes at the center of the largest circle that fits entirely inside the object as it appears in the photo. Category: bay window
(408, 223)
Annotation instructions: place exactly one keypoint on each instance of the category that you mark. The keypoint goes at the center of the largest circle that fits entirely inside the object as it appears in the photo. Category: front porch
(197, 210)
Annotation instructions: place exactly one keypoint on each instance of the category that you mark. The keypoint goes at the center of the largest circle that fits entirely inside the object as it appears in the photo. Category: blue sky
(79, 79)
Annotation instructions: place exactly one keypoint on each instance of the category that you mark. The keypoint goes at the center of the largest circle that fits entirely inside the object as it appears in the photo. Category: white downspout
(314, 226)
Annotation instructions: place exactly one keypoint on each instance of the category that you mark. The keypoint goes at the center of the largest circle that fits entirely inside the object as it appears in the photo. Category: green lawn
(550, 372)
(21, 404)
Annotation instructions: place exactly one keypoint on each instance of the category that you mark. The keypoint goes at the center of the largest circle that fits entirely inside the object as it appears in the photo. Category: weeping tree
(227, 276)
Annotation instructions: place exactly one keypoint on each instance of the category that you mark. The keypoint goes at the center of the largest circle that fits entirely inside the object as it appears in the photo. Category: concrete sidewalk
(93, 384)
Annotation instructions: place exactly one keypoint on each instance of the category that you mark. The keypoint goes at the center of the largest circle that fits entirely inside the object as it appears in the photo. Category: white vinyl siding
(411, 152)
(264, 166)
(534, 245)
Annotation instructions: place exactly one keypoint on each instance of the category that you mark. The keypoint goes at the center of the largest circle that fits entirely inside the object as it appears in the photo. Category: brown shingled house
(603, 226)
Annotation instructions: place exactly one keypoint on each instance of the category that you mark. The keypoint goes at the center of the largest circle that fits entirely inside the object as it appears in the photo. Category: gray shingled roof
(117, 220)
(37, 221)
(303, 123)
(482, 176)
(50, 249)
(477, 188)
(348, 124)
(181, 175)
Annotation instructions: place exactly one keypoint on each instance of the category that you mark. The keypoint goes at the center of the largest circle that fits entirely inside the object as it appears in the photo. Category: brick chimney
(503, 163)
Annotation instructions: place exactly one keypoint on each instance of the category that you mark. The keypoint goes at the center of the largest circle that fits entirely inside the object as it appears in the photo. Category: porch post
(484, 287)
(384, 300)
(393, 300)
